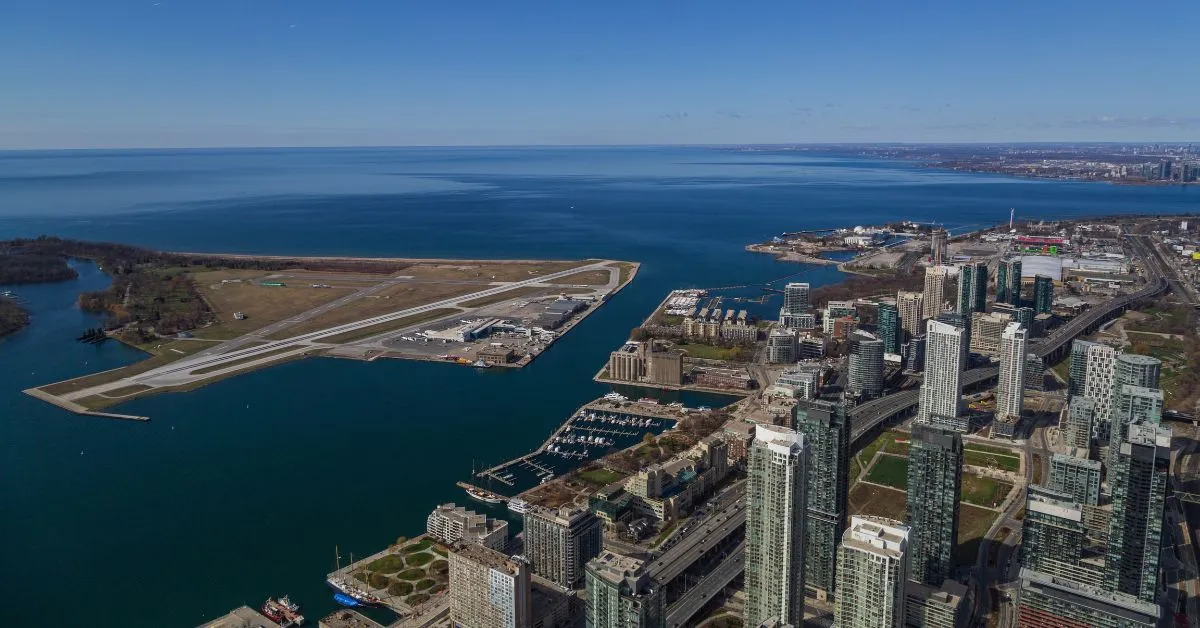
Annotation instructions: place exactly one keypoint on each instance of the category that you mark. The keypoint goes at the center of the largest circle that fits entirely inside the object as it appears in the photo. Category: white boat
(480, 364)
(518, 506)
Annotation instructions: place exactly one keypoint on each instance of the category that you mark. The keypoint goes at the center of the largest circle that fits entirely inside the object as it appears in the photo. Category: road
(711, 531)
(703, 592)
(181, 372)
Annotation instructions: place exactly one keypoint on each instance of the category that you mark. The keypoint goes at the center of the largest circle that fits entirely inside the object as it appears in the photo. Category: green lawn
(855, 468)
(986, 459)
(388, 564)
(1003, 451)
(600, 477)
(890, 471)
(983, 491)
(884, 439)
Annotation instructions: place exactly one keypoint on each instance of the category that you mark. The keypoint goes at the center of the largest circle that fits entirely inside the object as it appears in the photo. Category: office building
(1043, 294)
(1132, 404)
(935, 460)
(1048, 601)
(488, 589)
(558, 543)
(781, 346)
(450, 524)
(972, 288)
(1077, 477)
(872, 568)
(935, 607)
(1010, 390)
(1139, 484)
(914, 355)
(912, 312)
(866, 365)
(775, 522)
(1098, 385)
(826, 431)
(796, 298)
(986, 331)
(1008, 281)
(941, 392)
(1081, 420)
(888, 328)
(935, 290)
(620, 594)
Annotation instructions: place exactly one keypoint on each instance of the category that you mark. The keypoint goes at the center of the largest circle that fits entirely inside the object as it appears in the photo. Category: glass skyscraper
(775, 522)
(935, 460)
(826, 431)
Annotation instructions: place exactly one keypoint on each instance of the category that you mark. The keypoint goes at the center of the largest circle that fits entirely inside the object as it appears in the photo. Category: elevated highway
(695, 599)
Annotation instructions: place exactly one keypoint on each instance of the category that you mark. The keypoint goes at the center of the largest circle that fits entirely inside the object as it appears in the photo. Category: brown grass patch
(488, 271)
(515, 293)
(587, 278)
(393, 299)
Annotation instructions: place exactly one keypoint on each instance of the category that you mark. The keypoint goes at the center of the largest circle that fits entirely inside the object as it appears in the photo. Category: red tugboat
(283, 612)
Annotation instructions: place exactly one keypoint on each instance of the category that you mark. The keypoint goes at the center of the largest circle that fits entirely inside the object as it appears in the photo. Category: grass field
(163, 354)
(262, 305)
(504, 296)
(600, 477)
(890, 471)
(1004, 451)
(245, 360)
(124, 391)
(400, 323)
(392, 299)
(867, 499)
(710, 352)
(983, 491)
(884, 439)
(586, 278)
(626, 271)
(1007, 462)
(488, 271)
(973, 523)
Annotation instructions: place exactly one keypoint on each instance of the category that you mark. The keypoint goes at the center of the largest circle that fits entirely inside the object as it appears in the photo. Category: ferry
(283, 612)
(518, 506)
(482, 496)
(480, 364)
(358, 594)
(612, 396)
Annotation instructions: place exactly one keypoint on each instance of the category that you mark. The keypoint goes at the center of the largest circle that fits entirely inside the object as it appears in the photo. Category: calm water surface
(242, 489)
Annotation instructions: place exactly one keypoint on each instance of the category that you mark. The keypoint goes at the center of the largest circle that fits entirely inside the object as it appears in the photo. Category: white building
(1011, 388)
(796, 298)
(872, 568)
(912, 311)
(1098, 385)
(941, 392)
(935, 290)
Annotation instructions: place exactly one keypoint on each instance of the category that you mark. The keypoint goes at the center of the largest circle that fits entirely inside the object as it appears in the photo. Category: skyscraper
(1077, 370)
(872, 569)
(1081, 420)
(775, 522)
(889, 328)
(796, 298)
(914, 354)
(826, 431)
(1008, 281)
(972, 288)
(620, 594)
(1010, 391)
(1139, 487)
(487, 589)
(935, 460)
(1132, 404)
(1053, 536)
(1043, 294)
(1098, 385)
(935, 290)
(866, 365)
(912, 312)
(941, 392)
(558, 543)
(1025, 316)
(937, 246)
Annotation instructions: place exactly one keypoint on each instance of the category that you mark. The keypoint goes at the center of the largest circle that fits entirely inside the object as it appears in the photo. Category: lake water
(242, 489)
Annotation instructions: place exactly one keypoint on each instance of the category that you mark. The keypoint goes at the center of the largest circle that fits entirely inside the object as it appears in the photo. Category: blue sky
(163, 73)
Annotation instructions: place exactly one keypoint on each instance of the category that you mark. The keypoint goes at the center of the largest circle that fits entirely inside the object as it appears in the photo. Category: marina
(607, 424)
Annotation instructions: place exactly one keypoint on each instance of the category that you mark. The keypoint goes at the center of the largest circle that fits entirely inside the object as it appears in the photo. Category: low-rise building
(781, 346)
(670, 490)
(935, 607)
(450, 524)
(496, 355)
(729, 379)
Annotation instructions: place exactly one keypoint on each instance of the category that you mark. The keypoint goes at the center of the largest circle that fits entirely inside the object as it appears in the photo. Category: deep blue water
(241, 489)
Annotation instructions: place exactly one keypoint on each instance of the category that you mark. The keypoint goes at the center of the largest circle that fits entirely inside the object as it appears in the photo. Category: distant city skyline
(168, 73)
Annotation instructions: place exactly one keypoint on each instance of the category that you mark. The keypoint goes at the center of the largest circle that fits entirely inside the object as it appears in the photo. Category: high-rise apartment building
(935, 607)
(1027, 318)
(781, 346)
(935, 290)
(1139, 486)
(888, 328)
(866, 365)
(937, 246)
(796, 298)
(1010, 391)
(935, 460)
(986, 331)
(1048, 601)
(558, 543)
(912, 312)
(1077, 477)
(1077, 370)
(914, 354)
(835, 310)
(826, 430)
(776, 500)
(1098, 385)
(488, 589)
(620, 594)
(972, 288)
(941, 392)
(1053, 536)
(1081, 422)
(1131, 404)
(1008, 281)
(1043, 294)
(872, 569)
